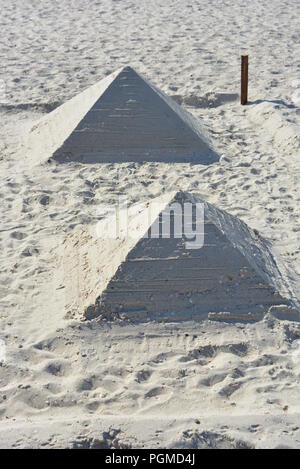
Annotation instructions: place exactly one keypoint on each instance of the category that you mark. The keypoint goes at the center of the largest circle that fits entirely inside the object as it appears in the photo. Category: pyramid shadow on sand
(123, 118)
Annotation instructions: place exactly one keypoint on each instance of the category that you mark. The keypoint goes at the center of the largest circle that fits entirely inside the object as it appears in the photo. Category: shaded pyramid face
(124, 118)
(231, 274)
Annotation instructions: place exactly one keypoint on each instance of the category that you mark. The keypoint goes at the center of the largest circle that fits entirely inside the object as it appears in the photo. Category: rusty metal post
(244, 80)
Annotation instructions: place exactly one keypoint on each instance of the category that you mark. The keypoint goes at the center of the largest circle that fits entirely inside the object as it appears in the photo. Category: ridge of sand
(277, 131)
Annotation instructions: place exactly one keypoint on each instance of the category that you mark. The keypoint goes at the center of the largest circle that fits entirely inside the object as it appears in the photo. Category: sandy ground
(66, 383)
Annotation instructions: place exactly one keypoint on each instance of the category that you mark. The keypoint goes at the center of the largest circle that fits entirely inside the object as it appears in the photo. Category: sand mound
(277, 130)
(121, 118)
(226, 272)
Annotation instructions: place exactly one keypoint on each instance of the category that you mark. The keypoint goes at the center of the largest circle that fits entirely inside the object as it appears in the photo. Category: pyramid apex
(182, 196)
(127, 69)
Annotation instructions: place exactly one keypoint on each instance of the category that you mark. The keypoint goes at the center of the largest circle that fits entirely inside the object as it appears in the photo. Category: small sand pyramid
(231, 275)
(121, 118)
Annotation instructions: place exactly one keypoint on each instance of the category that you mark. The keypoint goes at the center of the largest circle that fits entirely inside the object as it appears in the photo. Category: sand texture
(66, 382)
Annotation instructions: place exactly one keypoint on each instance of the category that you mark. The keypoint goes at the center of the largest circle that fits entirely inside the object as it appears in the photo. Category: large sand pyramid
(121, 118)
(233, 275)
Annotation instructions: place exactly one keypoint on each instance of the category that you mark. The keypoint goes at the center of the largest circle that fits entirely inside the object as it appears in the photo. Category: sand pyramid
(121, 118)
(232, 274)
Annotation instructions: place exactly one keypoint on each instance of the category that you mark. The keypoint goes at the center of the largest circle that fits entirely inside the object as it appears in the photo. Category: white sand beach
(142, 382)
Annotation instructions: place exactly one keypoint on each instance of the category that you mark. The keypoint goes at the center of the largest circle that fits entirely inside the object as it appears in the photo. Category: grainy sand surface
(68, 383)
